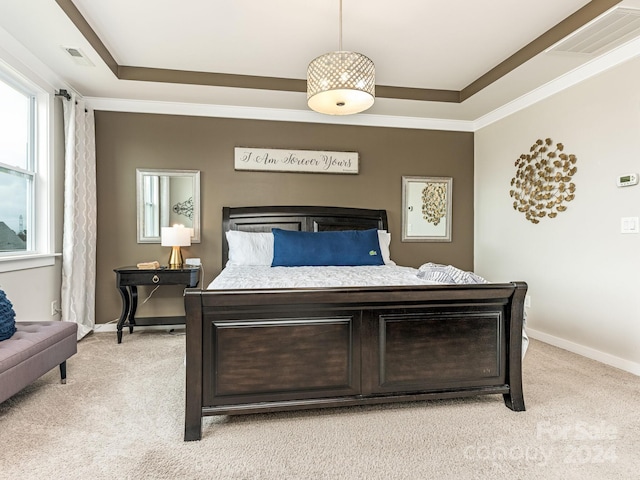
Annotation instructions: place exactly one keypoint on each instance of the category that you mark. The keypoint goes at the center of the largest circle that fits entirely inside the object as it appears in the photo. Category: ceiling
(453, 60)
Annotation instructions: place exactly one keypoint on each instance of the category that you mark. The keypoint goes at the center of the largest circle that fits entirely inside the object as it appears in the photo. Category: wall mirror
(426, 209)
(165, 198)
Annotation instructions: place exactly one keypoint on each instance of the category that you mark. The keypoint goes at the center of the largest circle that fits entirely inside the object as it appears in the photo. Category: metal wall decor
(543, 181)
(434, 202)
(184, 208)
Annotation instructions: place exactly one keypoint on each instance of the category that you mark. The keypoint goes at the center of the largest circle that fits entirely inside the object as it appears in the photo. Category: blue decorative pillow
(7, 317)
(339, 248)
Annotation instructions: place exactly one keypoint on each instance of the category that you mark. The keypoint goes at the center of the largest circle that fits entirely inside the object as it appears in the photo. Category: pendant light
(341, 82)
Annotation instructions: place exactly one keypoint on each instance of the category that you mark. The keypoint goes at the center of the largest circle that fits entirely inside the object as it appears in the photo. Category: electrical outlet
(527, 301)
(54, 307)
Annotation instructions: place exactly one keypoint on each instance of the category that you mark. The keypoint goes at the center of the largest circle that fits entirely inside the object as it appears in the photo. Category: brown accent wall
(126, 141)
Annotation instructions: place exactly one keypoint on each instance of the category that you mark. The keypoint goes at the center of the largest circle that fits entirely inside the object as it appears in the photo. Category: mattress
(262, 276)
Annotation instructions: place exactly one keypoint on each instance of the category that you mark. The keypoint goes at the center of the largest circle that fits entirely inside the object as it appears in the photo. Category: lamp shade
(341, 83)
(176, 236)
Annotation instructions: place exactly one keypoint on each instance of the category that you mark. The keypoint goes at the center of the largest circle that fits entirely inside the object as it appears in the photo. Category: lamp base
(175, 259)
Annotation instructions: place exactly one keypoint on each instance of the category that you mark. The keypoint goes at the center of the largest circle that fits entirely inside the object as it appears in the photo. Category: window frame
(40, 251)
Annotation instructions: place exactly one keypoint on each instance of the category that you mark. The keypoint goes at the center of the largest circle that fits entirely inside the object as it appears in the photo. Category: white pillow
(384, 239)
(250, 248)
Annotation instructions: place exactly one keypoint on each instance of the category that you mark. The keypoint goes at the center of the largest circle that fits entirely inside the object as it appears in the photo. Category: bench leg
(63, 372)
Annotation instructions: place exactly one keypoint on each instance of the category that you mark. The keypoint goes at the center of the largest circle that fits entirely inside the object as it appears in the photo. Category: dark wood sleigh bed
(250, 351)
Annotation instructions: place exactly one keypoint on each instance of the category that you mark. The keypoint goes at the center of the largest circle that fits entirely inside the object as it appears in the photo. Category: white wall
(582, 272)
(31, 291)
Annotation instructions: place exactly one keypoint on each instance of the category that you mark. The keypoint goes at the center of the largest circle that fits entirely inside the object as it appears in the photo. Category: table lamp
(175, 237)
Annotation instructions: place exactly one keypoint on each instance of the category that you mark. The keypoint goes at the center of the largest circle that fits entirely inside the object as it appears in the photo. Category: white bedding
(261, 276)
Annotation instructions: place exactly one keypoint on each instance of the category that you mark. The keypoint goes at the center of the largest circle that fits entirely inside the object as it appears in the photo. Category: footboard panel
(267, 359)
(438, 349)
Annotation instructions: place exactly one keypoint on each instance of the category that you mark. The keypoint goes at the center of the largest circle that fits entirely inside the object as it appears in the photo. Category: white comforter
(259, 276)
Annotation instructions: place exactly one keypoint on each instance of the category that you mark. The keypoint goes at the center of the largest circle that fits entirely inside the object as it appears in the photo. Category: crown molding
(273, 114)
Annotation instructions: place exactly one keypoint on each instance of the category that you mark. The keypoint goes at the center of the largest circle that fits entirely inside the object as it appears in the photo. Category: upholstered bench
(33, 350)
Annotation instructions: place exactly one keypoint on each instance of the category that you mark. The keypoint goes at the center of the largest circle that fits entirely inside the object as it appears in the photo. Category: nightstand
(129, 278)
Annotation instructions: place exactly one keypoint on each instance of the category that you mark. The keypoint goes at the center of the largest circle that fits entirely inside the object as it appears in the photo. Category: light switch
(629, 225)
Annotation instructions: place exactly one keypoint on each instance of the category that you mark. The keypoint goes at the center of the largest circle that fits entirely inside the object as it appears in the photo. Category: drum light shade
(341, 83)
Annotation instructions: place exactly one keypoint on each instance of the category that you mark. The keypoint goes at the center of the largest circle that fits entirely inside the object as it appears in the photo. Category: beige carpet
(121, 416)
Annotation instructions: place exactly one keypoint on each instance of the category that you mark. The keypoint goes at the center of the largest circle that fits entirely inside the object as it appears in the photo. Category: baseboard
(602, 357)
(112, 327)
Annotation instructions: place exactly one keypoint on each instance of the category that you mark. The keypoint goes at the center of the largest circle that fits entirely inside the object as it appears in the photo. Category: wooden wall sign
(304, 161)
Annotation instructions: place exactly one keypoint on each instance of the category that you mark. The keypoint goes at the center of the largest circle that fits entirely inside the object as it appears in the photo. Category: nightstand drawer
(188, 278)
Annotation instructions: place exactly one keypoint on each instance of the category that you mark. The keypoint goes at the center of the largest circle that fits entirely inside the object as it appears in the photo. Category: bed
(251, 350)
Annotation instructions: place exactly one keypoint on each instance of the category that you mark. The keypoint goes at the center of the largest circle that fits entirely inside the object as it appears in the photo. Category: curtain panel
(80, 217)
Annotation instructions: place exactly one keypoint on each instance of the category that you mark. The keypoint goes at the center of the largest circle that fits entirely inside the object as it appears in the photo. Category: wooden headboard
(304, 219)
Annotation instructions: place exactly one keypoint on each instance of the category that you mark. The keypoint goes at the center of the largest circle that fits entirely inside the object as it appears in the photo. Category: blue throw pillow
(339, 248)
(7, 317)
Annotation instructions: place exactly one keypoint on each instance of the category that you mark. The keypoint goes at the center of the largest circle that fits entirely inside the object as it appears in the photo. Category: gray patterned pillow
(7, 317)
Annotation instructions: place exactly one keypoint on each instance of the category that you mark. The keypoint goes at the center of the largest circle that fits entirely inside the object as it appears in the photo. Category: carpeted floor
(120, 416)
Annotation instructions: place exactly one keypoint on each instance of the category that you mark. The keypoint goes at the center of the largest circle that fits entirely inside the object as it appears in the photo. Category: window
(25, 202)
(17, 169)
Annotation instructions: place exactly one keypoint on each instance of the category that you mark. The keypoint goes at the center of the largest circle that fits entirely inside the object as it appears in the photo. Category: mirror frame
(444, 204)
(140, 174)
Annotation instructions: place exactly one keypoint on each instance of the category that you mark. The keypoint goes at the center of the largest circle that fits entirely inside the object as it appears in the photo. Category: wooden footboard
(250, 351)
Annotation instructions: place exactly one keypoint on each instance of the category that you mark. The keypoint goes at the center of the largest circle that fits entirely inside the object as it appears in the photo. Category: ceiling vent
(617, 26)
(78, 56)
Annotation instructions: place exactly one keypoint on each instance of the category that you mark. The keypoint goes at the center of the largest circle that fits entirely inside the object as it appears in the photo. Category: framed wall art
(426, 209)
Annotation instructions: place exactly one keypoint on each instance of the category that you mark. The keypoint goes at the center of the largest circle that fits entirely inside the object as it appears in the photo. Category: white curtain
(80, 217)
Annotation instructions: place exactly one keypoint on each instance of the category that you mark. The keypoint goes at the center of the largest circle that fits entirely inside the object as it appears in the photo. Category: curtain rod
(63, 93)
(67, 95)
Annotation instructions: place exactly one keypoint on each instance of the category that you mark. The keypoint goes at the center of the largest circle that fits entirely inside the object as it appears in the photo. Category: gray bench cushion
(32, 351)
